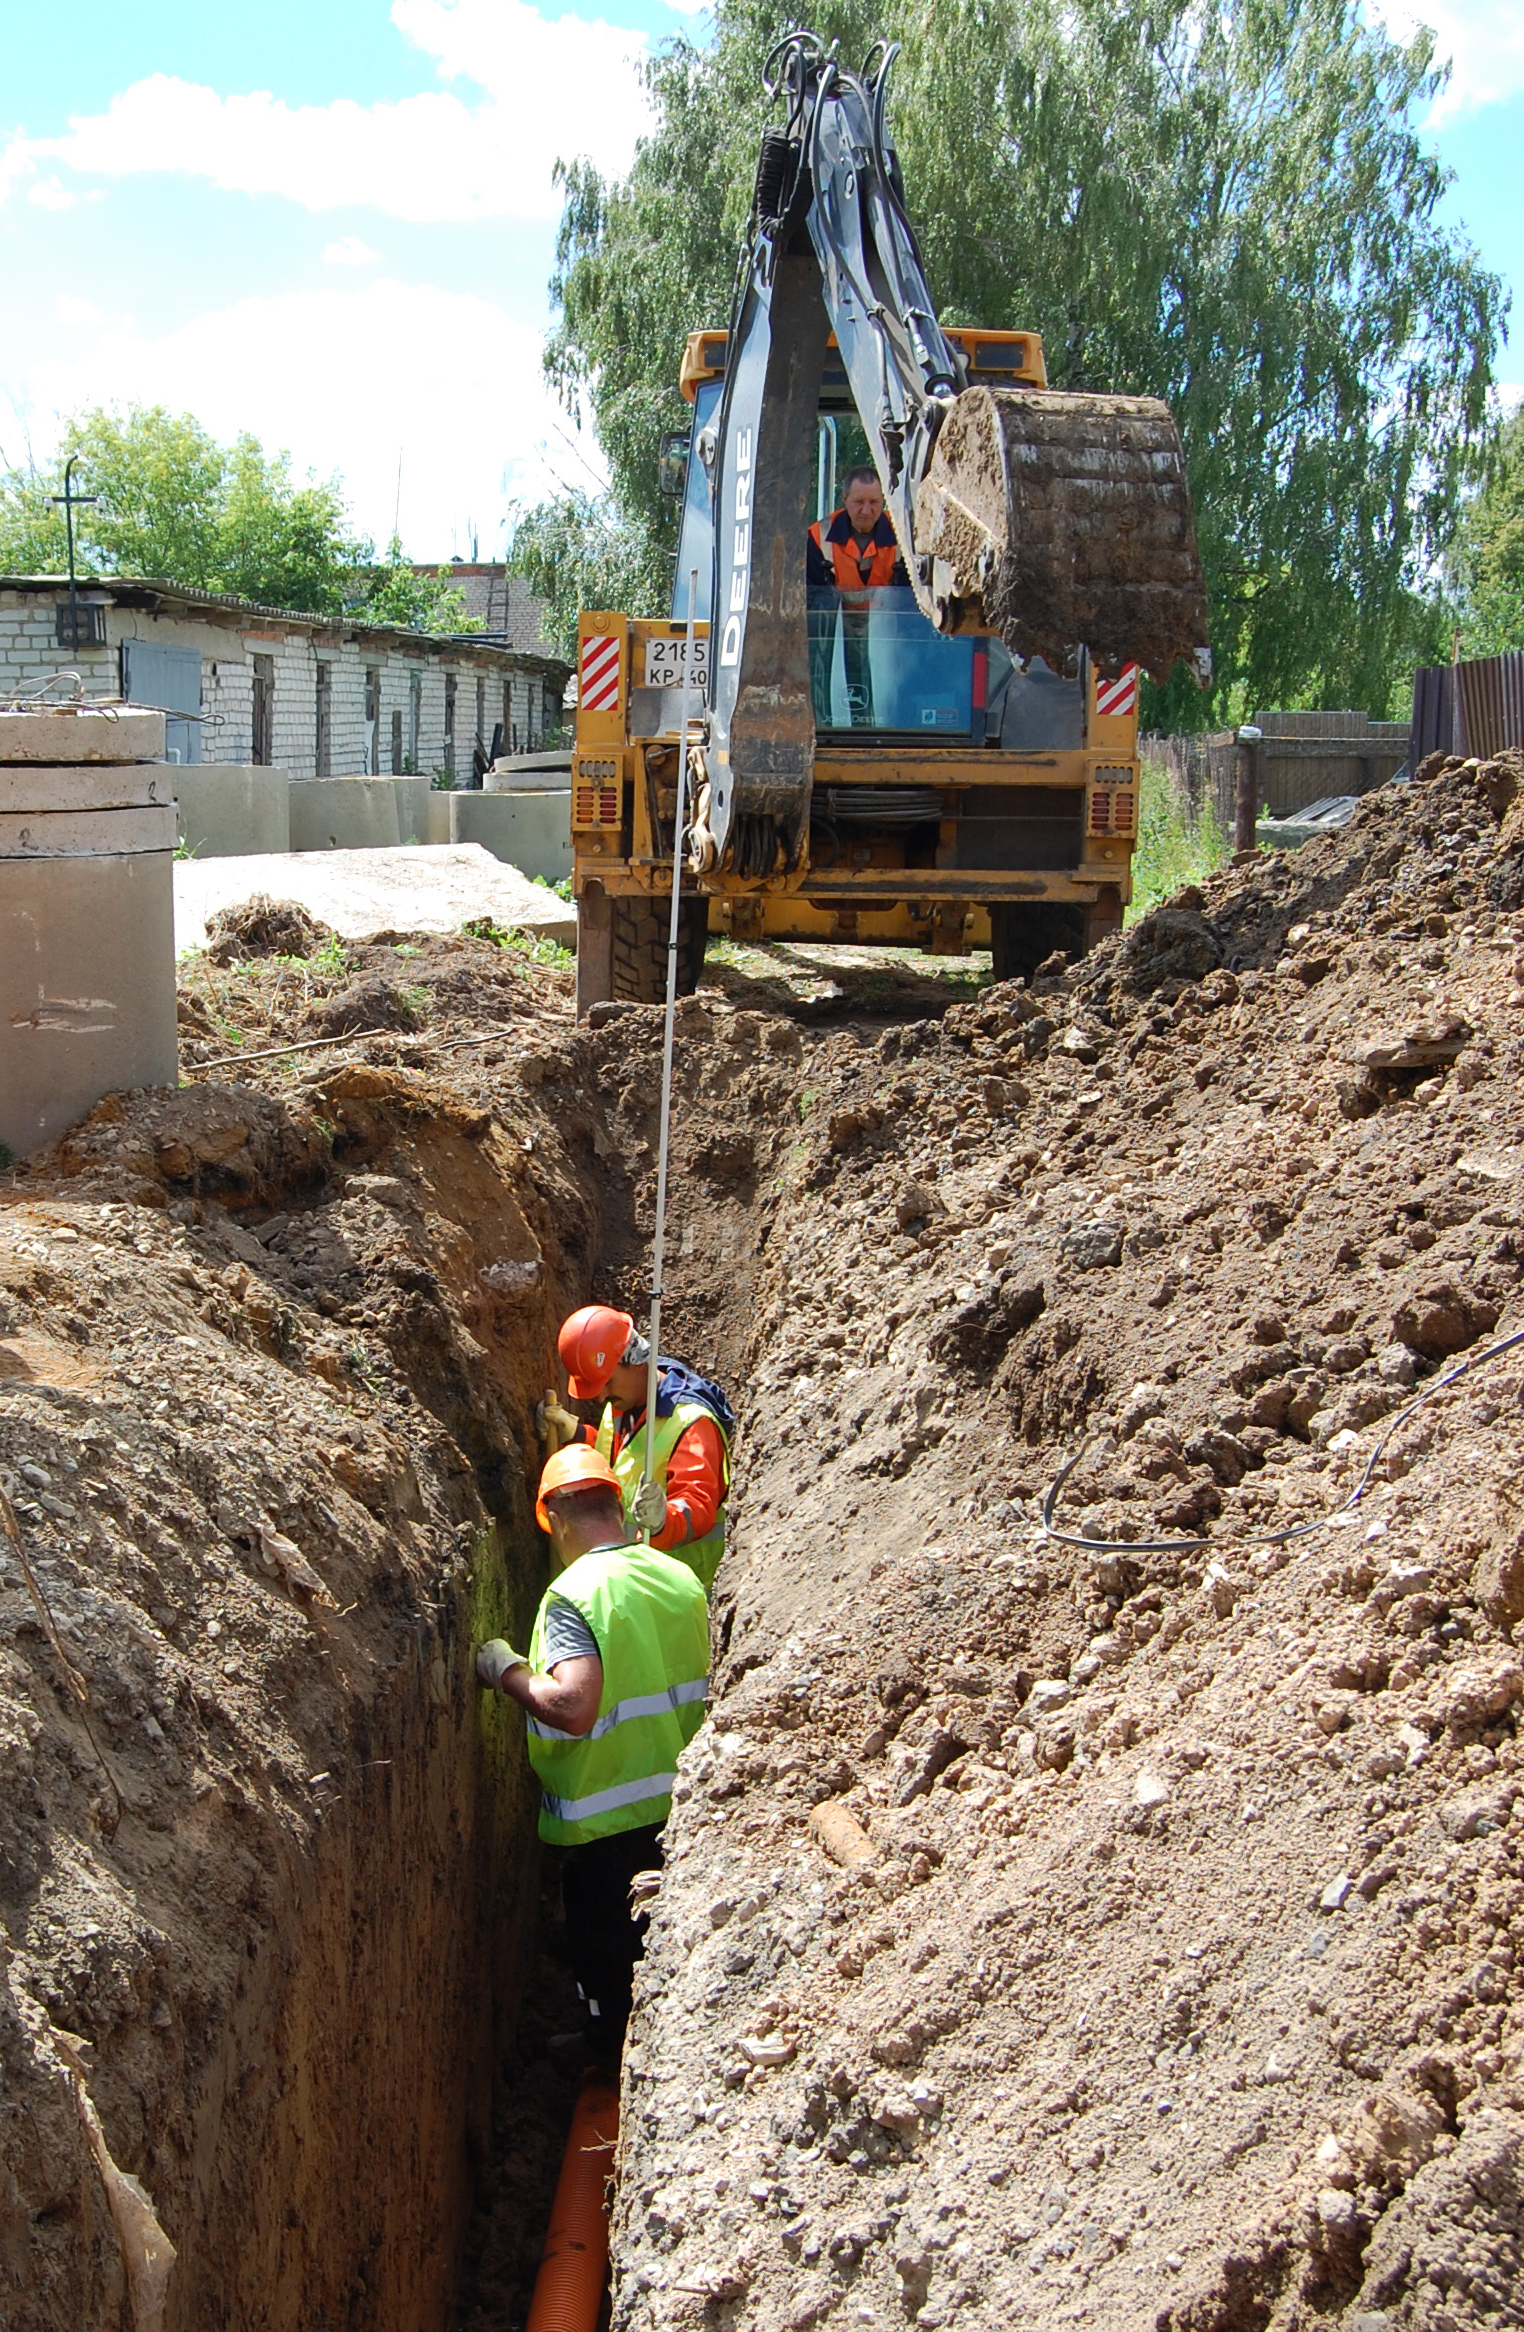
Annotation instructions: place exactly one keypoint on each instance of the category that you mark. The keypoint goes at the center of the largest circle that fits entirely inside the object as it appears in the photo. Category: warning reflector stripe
(598, 677)
(1116, 697)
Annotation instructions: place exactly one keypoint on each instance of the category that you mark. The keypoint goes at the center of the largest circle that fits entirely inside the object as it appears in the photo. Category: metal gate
(170, 680)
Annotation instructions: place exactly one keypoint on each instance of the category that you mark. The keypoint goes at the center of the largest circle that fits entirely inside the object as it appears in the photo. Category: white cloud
(1483, 40)
(51, 194)
(349, 251)
(551, 88)
(446, 377)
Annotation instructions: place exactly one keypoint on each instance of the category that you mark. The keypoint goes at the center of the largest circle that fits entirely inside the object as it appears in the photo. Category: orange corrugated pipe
(568, 2291)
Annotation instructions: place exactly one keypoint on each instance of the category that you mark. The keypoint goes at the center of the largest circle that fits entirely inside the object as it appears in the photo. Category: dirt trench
(1176, 1985)
(266, 1417)
(269, 1356)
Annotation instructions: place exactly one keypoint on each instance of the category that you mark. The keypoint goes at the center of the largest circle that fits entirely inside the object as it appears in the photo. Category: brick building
(313, 695)
(502, 603)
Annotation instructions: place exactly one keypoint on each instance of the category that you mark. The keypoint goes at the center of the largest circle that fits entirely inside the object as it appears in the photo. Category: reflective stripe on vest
(646, 1704)
(847, 562)
(651, 1621)
(608, 1801)
(702, 1555)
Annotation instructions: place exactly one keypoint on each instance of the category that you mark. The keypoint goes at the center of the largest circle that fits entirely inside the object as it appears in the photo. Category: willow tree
(1226, 206)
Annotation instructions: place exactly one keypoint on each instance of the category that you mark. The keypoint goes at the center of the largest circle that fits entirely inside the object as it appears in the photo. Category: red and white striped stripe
(598, 680)
(1115, 697)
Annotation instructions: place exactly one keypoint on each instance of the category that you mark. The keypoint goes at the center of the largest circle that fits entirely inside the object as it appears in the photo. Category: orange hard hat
(591, 1345)
(573, 1468)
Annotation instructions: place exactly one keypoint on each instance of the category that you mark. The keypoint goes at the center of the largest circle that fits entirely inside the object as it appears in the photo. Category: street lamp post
(72, 502)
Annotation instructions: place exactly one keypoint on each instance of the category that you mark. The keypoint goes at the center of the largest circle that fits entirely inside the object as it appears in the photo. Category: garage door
(170, 679)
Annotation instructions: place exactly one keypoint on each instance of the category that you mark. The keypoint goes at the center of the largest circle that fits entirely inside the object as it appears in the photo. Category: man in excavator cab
(682, 1507)
(854, 552)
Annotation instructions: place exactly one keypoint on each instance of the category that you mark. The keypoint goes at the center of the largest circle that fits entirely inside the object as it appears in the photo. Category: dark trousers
(604, 1936)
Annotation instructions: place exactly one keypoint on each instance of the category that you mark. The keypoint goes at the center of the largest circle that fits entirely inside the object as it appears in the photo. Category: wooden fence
(1306, 757)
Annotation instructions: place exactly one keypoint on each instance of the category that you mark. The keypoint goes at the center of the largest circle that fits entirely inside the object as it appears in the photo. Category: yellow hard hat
(570, 1469)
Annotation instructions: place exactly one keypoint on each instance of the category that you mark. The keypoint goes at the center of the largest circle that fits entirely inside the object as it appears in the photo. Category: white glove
(649, 1510)
(494, 1660)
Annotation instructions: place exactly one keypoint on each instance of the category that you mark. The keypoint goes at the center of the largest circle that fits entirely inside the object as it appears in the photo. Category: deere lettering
(740, 563)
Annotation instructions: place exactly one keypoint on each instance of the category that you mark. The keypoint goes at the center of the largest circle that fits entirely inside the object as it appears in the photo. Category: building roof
(155, 595)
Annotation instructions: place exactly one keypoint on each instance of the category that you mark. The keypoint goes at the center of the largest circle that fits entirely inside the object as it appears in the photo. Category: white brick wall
(227, 647)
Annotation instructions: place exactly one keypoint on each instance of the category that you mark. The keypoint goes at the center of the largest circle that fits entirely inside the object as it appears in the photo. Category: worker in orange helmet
(682, 1507)
(613, 1689)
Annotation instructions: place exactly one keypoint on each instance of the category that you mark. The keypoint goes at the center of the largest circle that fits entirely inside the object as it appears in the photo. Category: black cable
(1259, 1538)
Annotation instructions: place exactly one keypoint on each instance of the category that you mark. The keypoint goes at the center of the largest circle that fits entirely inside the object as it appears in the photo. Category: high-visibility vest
(651, 1619)
(702, 1555)
(847, 559)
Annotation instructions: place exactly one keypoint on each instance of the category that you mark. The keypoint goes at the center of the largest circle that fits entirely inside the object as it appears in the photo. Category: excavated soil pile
(1174, 1982)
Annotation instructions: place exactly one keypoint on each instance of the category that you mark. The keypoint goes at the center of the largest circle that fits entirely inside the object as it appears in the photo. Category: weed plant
(1176, 845)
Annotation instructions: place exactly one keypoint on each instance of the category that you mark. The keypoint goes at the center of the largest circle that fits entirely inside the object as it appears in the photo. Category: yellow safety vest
(702, 1555)
(651, 1619)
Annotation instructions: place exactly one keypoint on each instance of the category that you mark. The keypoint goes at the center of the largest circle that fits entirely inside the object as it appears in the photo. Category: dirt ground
(1176, 1983)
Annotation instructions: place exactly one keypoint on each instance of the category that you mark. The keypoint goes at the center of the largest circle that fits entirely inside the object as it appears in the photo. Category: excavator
(948, 759)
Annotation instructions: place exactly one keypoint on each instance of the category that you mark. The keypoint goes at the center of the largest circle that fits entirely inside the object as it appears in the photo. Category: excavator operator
(683, 1504)
(613, 1689)
(852, 554)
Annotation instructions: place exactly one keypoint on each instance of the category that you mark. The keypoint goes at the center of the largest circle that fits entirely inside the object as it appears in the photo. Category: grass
(1174, 847)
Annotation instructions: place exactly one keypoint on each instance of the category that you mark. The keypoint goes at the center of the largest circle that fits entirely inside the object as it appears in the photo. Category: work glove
(649, 1509)
(493, 1662)
(555, 1425)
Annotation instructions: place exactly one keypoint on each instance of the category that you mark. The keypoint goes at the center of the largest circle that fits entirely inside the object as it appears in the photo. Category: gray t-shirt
(567, 1634)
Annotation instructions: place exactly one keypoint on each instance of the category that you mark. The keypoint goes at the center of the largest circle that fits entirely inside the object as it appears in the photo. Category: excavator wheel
(641, 928)
(1023, 937)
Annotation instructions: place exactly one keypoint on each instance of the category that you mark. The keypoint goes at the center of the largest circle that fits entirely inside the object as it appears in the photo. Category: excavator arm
(1062, 522)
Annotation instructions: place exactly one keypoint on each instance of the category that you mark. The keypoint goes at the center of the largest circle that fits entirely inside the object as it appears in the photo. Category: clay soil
(1174, 1981)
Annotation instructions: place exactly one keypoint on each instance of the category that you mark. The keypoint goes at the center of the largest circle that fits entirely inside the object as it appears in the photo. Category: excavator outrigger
(982, 784)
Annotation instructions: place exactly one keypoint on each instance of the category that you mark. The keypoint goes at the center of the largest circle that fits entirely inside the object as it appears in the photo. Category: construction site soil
(1051, 1932)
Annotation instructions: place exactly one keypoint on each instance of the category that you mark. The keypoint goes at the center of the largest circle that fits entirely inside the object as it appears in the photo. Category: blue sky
(331, 222)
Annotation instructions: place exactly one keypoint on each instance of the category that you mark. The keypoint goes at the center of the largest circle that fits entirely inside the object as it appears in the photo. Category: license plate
(667, 659)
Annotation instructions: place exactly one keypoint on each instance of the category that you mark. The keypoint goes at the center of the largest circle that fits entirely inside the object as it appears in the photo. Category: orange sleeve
(695, 1486)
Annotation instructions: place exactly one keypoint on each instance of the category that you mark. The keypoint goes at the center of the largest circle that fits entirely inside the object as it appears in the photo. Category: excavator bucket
(1061, 522)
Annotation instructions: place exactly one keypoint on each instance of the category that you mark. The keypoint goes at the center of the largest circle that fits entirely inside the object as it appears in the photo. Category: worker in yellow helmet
(683, 1505)
(612, 1689)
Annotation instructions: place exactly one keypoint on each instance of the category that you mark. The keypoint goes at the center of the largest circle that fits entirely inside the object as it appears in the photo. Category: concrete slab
(531, 831)
(233, 809)
(419, 887)
(66, 732)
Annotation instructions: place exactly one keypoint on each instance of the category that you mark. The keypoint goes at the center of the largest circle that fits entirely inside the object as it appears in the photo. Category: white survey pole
(659, 1241)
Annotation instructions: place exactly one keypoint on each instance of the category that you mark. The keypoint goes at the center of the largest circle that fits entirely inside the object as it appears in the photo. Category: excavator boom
(1060, 522)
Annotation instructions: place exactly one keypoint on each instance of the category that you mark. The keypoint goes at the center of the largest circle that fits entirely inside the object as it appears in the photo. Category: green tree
(173, 504)
(397, 593)
(283, 544)
(1226, 207)
(581, 552)
(1486, 567)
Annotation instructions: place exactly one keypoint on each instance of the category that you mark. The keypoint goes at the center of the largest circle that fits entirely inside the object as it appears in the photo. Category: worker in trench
(613, 1688)
(682, 1507)
(849, 556)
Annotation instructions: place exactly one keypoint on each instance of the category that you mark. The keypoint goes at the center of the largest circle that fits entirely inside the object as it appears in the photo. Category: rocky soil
(1176, 1985)
(1052, 1931)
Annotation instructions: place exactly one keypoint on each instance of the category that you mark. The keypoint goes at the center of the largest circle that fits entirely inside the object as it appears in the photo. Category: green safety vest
(651, 1619)
(702, 1555)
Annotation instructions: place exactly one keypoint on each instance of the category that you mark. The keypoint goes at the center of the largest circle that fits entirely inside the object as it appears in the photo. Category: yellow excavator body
(945, 837)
